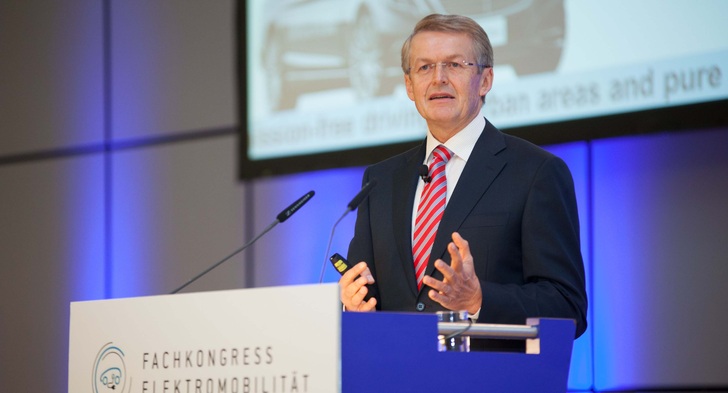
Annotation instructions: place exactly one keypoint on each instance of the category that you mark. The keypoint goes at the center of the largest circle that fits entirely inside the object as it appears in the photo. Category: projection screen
(321, 83)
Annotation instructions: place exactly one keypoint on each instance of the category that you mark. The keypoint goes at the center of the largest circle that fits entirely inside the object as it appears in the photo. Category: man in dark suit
(507, 245)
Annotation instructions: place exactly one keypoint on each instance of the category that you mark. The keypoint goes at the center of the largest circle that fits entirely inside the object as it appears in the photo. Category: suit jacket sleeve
(552, 268)
(361, 246)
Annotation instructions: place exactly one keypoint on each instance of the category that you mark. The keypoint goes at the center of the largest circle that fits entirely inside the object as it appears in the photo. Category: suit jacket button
(420, 306)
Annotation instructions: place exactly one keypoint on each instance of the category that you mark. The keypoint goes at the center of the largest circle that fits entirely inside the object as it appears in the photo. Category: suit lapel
(404, 187)
(482, 168)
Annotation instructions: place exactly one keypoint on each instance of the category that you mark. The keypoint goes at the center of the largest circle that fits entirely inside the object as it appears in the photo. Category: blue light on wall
(300, 242)
(135, 191)
(659, 260)
(83, 204)
(577, 156)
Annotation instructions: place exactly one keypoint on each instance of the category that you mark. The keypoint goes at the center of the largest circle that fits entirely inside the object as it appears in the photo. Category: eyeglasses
(453, 67)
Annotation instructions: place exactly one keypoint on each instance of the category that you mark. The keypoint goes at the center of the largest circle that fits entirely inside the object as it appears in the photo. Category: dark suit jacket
(514, 204)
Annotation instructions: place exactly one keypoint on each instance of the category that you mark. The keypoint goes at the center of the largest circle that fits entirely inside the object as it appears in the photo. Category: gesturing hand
(353, 288)
(460, 287)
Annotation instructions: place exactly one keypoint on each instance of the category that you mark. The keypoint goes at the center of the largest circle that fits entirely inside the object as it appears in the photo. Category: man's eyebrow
(425, 60)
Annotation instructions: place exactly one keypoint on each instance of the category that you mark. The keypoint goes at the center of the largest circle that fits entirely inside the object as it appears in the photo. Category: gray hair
(452, 24)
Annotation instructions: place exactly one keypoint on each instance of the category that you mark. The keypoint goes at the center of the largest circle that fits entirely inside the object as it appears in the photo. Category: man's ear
(408, 85)
(487, 81)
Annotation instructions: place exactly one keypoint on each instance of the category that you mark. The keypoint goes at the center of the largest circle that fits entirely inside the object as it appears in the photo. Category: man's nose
(439, 74)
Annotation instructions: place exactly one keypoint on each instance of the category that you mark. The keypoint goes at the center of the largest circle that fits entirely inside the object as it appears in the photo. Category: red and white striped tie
(429, 211)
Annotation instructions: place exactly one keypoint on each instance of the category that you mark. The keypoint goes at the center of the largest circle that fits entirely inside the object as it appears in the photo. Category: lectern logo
(109, 372)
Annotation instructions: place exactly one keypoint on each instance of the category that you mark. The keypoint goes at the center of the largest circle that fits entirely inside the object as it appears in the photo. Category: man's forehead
(427, 45)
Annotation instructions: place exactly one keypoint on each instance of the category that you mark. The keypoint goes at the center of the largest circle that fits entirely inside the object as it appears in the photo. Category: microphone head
(356, 201)
(283, 216)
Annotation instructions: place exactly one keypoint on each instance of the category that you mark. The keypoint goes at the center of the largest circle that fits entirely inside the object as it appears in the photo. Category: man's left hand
(460, 287)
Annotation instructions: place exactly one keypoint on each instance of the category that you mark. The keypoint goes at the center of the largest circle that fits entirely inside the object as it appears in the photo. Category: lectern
(295, 339)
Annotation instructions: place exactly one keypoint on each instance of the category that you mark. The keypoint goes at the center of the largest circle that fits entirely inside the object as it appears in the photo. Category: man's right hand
(353, 288)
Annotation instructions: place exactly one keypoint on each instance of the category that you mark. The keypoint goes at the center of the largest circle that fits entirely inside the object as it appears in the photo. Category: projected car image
(318, 45)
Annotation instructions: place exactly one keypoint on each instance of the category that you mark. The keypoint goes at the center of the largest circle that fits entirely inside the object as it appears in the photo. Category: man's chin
(442, 113)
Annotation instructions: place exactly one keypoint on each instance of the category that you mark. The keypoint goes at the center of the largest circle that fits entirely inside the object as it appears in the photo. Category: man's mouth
(440, 96)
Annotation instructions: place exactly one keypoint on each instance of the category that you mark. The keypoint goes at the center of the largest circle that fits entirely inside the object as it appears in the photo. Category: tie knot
(441, 153)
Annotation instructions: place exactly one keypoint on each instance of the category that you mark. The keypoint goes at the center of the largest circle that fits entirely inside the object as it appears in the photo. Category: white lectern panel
(282, 339)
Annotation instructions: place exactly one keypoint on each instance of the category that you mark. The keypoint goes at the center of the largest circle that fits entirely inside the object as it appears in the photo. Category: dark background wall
(118, 178)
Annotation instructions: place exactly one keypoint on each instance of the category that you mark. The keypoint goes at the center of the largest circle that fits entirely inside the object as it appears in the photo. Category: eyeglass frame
(448, 65)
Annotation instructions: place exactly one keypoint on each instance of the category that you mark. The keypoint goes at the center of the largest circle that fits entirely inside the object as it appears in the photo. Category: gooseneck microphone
(424, 173)
(363, 193)
(355, 202)
(282, 216)
(287, 212)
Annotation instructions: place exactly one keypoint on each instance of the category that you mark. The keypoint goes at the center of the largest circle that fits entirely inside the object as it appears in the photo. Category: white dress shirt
(461, 145)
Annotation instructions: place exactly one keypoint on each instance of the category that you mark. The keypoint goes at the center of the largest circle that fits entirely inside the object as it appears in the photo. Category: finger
(451, 299)
(433, 283)
(358, 297)
(456, 259)
(466, 264)
(359, 304)
(367, 274)
(360, 269)
(350, 290)
(440, 298)
(446, 270)
(353, 273)
(353, 285)
(452, 277)
(369, 305)
(462, 245)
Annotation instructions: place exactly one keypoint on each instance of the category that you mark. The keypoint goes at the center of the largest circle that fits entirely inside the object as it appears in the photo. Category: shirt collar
(462, 143)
